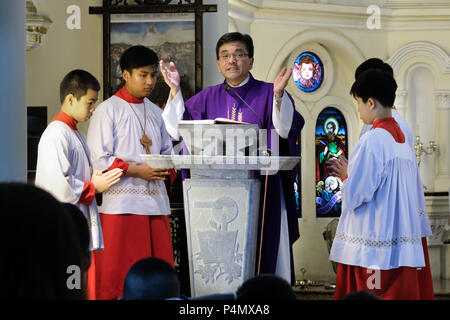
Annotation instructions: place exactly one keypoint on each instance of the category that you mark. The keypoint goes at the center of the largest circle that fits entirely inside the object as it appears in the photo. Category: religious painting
(308, 72)
(331, 142)
(170, 35)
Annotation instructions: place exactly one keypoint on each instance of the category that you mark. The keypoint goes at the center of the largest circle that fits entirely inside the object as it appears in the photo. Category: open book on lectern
(213, 121)
(220, 136)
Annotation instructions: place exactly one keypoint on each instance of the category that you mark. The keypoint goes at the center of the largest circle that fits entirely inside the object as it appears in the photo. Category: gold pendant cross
(146, 142)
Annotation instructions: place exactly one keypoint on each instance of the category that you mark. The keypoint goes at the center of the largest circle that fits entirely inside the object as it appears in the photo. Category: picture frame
(161, 18)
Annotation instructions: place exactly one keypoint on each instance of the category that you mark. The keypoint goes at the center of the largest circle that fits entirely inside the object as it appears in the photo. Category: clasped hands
(337, 167)
(103, 181)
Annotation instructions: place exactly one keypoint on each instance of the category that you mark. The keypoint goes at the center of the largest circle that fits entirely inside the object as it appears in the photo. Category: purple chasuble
(215, 102)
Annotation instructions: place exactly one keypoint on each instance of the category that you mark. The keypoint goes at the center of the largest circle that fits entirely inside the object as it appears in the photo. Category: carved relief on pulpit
(219, 250)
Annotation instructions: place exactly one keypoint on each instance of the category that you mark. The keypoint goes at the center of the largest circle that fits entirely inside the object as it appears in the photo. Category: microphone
(229, 88)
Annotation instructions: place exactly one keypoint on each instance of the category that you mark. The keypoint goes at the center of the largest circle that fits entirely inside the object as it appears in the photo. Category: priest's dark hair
(236, 36)
(137, 57)
(377, 85)
(77, 82)
(373, 63)
(39, 246)
(151, 279)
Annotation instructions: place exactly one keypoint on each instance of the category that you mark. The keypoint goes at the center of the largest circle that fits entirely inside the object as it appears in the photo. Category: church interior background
(337, 35)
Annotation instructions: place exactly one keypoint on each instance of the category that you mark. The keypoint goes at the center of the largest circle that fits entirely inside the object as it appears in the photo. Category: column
(13, 125)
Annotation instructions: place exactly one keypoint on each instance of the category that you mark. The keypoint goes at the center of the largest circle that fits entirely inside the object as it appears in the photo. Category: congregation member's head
(139, 66)
(234, 52)
(82, 228)
(79, 94)
(265, 287)
(41, 255)
(374, 90)
(151, 279)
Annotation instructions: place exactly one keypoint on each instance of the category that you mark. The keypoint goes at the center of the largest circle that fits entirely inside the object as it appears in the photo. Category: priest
(243, 98)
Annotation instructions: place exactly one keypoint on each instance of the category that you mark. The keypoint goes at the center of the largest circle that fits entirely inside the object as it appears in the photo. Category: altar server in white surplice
(380, 242)
(339, 167)
(135, 212)
(63, 164)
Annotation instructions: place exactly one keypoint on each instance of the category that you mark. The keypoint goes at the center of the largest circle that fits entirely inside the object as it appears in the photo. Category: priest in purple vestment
(269, 106)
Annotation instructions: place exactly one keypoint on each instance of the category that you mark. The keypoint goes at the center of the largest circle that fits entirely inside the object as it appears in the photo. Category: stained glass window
(308, 72)
(331, 142)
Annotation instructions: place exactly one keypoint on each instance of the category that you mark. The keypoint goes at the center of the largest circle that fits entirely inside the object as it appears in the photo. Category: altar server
(243, 98)
(134, 213)
(339, 167)
(64, 166)
(380, 242)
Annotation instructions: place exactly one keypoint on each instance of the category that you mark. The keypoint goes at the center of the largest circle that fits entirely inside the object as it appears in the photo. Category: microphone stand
(228, 88)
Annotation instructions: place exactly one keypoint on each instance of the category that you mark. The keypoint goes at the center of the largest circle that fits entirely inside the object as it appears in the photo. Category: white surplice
(63, 168)
(115, 132)
(383, 215)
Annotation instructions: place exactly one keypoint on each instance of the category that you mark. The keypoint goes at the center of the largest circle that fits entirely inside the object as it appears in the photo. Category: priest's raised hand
(103, 181)
(171, 77)
(280, 84)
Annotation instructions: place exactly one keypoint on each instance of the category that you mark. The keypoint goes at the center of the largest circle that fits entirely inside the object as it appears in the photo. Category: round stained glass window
(308, 72)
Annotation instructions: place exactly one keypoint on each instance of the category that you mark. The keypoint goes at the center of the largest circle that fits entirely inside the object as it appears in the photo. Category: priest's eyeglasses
(239, 56)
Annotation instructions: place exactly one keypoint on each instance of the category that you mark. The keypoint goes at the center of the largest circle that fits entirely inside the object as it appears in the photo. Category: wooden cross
(146, 142)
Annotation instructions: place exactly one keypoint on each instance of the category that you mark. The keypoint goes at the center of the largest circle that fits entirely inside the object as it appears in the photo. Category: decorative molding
(420, 48)
(438, 212)
(401, 99)
(330, 40)
(349, 15)
(328, 72)
(443, 97)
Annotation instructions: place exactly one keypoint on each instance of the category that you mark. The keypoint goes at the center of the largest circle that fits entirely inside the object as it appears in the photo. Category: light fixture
(419, 149)
(36, 27)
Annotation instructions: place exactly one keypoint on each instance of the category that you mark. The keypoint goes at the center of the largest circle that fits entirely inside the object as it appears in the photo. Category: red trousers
(127, 238)
(404, 283)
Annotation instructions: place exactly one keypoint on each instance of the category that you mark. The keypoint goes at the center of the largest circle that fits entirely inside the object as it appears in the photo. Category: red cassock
(128, 238)
(402, 283)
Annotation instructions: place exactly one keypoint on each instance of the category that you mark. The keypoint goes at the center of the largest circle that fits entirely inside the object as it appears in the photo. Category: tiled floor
(441, 289)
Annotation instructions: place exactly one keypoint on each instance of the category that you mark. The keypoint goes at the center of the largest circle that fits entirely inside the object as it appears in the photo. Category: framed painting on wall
(174, 30)
(170, 35)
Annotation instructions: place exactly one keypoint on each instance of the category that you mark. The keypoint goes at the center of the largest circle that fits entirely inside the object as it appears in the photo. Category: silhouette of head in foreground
(265, 287)
(151, 279)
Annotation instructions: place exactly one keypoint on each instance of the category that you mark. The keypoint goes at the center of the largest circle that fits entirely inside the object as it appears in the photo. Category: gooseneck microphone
(229, 88)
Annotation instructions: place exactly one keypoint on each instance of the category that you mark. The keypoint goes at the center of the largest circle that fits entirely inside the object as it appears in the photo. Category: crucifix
(146, 142)
(110, 7)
